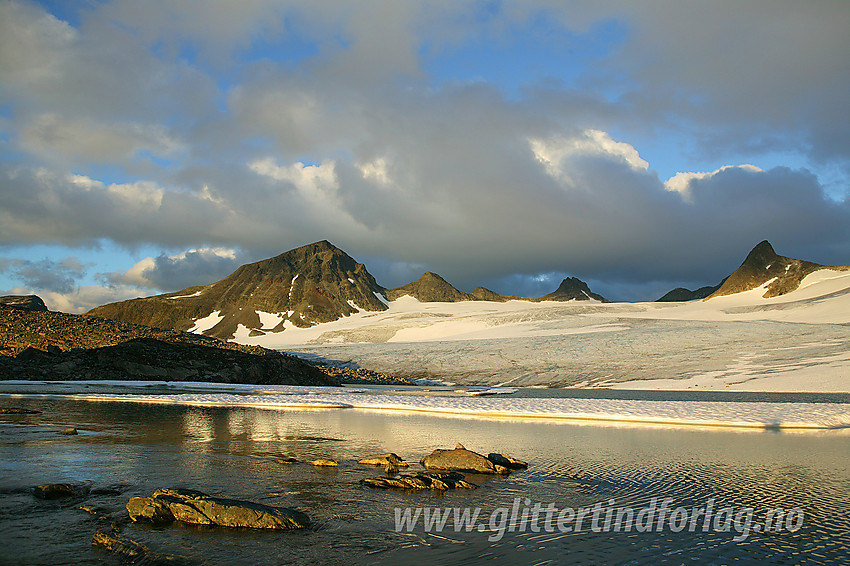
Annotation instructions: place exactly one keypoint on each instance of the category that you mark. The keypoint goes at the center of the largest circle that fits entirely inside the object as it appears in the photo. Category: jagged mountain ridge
(309, 285)
(433, 288)
(305, 286)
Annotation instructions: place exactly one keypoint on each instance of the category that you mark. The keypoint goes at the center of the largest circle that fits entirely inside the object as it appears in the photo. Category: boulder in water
(195, 507)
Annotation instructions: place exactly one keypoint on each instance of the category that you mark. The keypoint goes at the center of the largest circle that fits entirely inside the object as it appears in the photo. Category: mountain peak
(302, 287)
(764, 266)
(761, 255)
(430, 288)
(573, 288)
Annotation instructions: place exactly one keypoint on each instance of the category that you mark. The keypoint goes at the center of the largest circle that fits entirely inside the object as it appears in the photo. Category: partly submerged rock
(59, 490)
(388, 460)
(325, 463)
(70, 431)
(132, 551)
(507, 461)
(440, 481)
(190, 506)
(462, 460)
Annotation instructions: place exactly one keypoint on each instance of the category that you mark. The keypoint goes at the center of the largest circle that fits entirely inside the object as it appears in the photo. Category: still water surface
(137, 448)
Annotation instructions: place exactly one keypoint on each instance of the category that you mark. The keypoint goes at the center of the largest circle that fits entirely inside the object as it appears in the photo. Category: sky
(147, 146)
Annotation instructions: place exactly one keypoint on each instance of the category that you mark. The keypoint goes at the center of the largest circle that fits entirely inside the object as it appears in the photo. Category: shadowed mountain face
(682, 294)
(305, 286)
(763, 265)
(24, 302)
(430, 288)
(573, 289)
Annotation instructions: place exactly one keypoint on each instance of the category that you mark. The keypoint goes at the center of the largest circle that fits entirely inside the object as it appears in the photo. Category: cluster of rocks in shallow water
(443, 472)
(439, 481)
(444, 469)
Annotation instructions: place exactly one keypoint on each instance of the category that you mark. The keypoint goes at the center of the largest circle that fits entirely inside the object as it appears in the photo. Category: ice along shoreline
(722, 414)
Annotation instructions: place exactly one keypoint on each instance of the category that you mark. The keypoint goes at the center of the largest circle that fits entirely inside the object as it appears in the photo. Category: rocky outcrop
(421, 481)
(24, 302)
(764, 266)
(195, 507)
(573, 289)
(390, 459)
(60, 490)
(507, 461)
(324, 463)
(484, 294)
(134, 552)
(462, 460)
(302, 287)
(59, 346)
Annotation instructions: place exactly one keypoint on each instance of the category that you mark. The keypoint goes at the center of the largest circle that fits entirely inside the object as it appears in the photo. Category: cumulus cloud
(46, 274)
(168, 126)
(49, 135)
(79, 299)
(174, 272)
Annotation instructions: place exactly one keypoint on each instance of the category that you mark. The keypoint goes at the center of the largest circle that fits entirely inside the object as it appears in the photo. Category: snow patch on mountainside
(203, 324)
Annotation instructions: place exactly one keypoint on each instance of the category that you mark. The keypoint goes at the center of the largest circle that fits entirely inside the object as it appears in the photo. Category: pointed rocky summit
(302, 287)
(573, 289)
(764, 266)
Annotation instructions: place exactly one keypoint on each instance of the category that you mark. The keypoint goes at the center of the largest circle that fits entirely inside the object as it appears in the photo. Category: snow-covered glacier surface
(744, 342)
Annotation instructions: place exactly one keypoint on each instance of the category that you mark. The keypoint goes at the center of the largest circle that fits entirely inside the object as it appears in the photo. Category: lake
(129, 449)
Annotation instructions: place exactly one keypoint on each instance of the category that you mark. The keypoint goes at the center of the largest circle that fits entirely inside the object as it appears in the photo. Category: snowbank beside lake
(677, 413)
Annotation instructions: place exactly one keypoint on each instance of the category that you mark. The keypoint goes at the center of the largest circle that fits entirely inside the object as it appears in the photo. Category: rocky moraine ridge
(38, 344)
